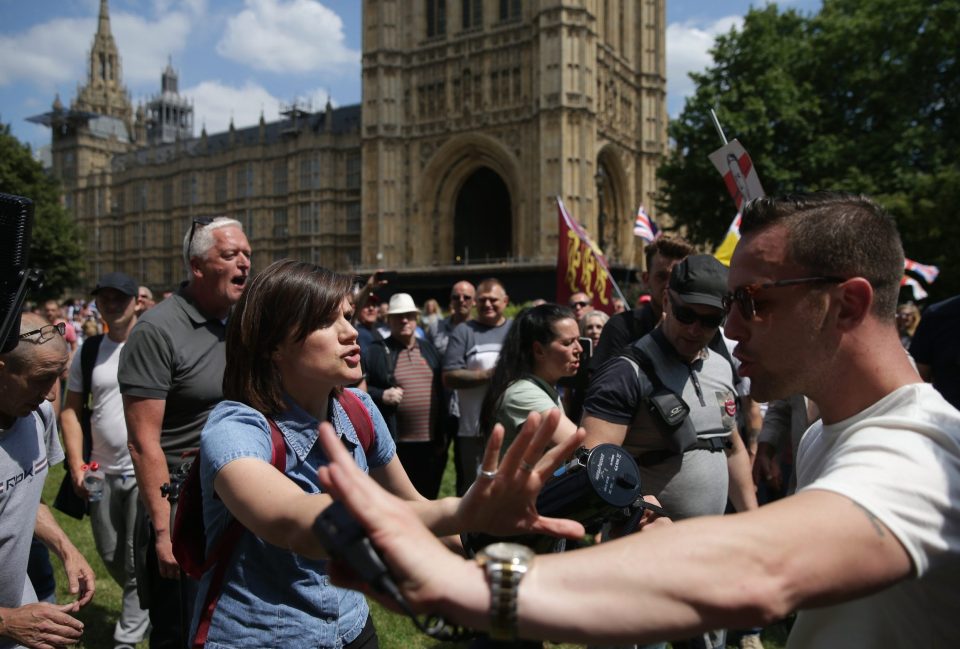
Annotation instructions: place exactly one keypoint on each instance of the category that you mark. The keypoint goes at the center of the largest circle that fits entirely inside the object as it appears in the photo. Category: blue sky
(237, 58)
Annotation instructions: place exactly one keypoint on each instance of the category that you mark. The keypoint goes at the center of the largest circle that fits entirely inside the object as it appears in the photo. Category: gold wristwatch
(505, 565)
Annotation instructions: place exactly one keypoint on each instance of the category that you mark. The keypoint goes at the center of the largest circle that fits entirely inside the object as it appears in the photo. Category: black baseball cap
(119, 281)
(700, 279)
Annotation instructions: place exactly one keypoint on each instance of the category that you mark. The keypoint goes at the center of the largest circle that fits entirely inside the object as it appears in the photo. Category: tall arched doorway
(482, 226)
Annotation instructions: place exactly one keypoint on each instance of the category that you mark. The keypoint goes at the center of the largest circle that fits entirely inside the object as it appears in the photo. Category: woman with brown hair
(290, 346)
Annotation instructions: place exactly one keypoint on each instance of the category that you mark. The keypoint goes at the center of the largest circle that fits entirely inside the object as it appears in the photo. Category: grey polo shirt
(177, 354)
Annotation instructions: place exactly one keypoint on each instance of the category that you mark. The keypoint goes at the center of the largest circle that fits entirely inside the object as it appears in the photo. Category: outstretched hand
(502, 501)
(421, 566)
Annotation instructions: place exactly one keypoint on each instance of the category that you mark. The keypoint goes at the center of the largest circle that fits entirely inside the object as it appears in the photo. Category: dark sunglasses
(46, 332)
(461, 298)
(579, 304)
(203, 222)
(742, 296)
(686, 315)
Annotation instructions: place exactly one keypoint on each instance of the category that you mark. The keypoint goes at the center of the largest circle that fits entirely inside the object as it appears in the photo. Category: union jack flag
(645, 227)
(918, 291)
(928, 273)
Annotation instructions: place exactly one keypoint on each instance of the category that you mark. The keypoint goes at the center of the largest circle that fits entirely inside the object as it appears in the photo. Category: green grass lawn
(99, 617)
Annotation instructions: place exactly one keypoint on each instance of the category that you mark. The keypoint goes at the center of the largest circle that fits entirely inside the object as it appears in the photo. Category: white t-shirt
(900, 460)
(107, 425)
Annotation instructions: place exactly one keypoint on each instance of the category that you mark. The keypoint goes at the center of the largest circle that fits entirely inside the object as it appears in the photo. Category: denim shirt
(273, 597)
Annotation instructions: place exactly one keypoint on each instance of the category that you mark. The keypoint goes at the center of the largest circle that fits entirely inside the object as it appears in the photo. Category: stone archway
(482, 226)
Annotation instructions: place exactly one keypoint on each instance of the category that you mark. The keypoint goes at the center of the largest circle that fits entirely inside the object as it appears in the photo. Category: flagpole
(716, 125)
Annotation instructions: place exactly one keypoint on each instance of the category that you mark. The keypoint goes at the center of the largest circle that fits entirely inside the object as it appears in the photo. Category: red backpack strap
(227, 543)
(359, 417)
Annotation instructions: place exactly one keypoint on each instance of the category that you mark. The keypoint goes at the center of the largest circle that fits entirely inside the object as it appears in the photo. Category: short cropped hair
(202, 240)
(835, 233)
(488, 284)
(18, 358)
(288, 300)
(669, 246)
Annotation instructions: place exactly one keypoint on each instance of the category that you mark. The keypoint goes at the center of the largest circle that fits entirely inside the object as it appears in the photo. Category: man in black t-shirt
(936, 348)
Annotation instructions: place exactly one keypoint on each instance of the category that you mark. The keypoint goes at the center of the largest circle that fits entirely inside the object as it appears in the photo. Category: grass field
(99, 617)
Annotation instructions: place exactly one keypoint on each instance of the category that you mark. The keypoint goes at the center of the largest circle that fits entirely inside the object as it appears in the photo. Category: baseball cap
(119, 281)
(402, 303)
(700, 279)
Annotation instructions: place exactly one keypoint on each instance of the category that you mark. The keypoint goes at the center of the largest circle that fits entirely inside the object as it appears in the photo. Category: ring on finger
(526, 466)
(488, 474)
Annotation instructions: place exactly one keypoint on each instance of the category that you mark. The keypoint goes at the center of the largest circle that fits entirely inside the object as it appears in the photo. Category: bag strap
(227, 543)
(640, 358)
(88, 358)
(359, 418)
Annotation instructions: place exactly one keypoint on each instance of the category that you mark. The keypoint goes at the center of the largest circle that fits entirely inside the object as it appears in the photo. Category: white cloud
(288, 36)
(57, 51)
(214, 103)
(47, 54)
(688, 45)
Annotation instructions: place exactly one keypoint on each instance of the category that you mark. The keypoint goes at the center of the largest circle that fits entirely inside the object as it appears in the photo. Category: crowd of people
(774, 410)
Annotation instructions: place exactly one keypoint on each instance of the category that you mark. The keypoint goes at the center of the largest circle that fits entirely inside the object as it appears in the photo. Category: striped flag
(918, 291)
(927, 273)
(645, 227)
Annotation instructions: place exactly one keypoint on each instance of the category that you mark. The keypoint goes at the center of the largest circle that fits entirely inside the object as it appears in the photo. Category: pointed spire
(103, 26)
(57, 104)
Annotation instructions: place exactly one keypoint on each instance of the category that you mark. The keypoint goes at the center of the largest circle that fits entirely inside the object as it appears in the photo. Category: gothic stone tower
(478, 113)
(85, 137)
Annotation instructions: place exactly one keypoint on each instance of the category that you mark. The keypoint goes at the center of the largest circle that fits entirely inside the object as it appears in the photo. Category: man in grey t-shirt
(693, 481)
(171, 373)
(28, 446)
(471, 355)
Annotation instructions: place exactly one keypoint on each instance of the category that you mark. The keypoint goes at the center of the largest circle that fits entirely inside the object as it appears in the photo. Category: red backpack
(189, 535)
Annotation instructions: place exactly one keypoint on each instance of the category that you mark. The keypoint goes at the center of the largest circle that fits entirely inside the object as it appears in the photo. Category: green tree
(862, 96)
(55, 245)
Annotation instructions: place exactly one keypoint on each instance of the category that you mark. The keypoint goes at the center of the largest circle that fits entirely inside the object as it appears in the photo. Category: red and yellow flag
(581, 265)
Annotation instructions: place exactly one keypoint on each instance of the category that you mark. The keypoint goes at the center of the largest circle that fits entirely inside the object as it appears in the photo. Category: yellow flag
(725, 252)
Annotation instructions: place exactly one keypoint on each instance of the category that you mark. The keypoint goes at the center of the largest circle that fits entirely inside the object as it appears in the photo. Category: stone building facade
(475, 115)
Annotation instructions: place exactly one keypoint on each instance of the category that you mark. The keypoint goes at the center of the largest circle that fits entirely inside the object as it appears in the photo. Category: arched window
(483, 222)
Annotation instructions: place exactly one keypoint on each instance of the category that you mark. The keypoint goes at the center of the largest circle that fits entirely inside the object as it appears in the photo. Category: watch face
(508, 553)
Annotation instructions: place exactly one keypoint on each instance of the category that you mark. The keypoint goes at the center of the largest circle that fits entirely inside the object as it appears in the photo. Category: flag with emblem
(581, 266)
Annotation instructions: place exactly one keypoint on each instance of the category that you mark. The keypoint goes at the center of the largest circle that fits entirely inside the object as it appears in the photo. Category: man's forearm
(742, 491)
(464, 378)
(72, 433)
(150, 467)
(51, 534)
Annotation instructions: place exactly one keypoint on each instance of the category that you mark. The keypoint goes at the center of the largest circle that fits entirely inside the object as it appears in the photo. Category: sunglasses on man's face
(686, 315)
(578, 305)
(461, 298)
(742, 296)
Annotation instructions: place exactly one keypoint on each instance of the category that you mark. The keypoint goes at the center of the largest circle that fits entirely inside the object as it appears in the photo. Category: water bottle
(93, 481)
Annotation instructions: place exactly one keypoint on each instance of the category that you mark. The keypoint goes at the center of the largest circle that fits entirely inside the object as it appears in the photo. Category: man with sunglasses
(171, 376)
(581, 304)
(624, 328)
(28, 447)
(693, 466)
(468, 363)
